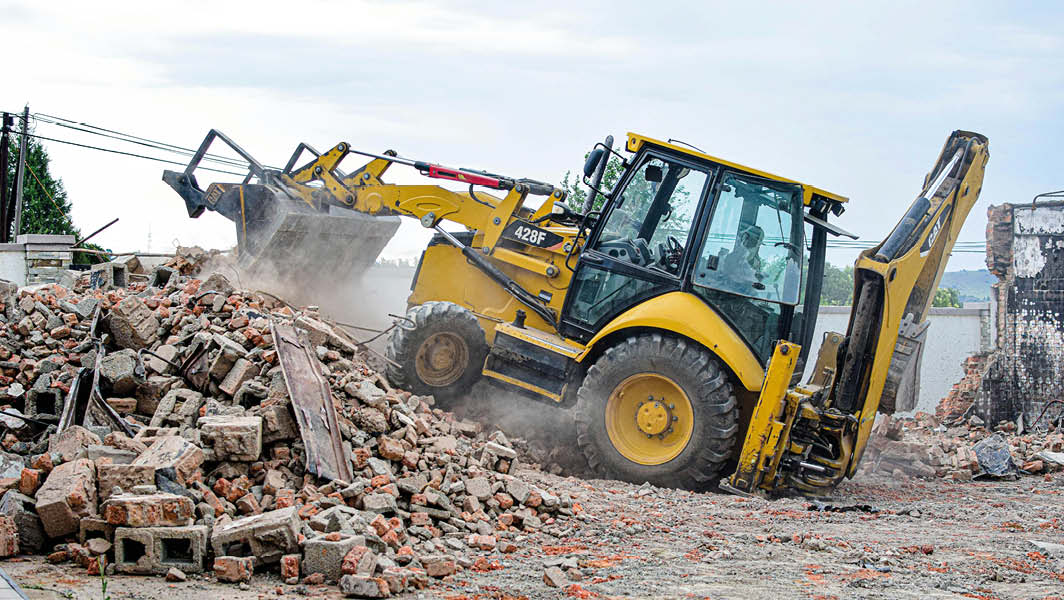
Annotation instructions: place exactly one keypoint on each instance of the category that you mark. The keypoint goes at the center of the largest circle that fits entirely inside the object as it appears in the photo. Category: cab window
(754, 246)
(650, 222)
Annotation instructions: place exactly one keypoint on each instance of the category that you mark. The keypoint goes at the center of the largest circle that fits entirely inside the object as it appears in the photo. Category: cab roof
(636, 141)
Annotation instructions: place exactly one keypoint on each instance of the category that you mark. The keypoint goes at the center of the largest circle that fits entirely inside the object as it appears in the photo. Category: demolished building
(1023, 378)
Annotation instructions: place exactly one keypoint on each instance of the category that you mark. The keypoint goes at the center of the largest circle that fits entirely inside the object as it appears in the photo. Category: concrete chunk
(149, 510)
(67, 495)
(231, 438)
(267, 536)
(173, 452)
(133, 324)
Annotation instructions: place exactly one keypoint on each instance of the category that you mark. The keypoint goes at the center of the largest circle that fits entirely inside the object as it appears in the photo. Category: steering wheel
(669, 253)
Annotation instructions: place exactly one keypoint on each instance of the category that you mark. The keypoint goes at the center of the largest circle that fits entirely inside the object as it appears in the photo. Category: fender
(685, 314)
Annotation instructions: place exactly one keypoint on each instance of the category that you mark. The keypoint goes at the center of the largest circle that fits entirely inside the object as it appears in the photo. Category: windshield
(754, 244)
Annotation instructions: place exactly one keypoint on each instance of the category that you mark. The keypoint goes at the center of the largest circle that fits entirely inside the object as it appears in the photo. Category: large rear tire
(439, 352)
(659, 409)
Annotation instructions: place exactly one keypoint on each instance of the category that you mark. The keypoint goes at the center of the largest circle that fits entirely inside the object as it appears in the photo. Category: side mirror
(592, 162)
(654, 174)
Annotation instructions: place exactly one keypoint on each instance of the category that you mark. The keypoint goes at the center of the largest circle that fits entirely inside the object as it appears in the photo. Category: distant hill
(971, 286)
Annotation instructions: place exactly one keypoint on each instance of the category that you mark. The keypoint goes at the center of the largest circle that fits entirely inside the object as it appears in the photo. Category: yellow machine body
(513, 269)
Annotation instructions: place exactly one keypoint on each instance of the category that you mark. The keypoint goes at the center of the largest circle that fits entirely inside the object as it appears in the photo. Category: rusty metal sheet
(312, 403)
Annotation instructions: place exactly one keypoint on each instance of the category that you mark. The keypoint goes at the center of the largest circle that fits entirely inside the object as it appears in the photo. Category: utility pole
(22, 150)
(5, 198)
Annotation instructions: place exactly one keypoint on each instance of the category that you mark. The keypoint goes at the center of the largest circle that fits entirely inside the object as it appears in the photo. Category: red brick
(234, 569)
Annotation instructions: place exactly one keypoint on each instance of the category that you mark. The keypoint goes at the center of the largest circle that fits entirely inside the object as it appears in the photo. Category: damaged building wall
(1025, 250)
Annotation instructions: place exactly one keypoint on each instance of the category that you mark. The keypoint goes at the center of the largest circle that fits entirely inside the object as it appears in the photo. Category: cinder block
(95, 528)
(143, 550)
(44, 403)
(267, 537)
(107, 276)
(134, 550)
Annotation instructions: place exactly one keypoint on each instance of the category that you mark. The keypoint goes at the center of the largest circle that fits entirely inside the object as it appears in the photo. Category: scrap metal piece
(85, 391)
(312, 403)
(195, 369)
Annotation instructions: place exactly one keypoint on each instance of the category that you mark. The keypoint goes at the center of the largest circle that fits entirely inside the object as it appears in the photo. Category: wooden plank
(312, 403)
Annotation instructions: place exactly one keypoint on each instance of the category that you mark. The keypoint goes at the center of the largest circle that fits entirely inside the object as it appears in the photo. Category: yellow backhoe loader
(674, 322)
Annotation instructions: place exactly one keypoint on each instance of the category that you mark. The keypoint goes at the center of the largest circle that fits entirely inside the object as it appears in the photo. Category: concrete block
(44, 403)
(110, 455)
(160, 276)
(108, 275)
(278, 424)
(326, 556)
(156, 365)
(67, 495)
(95, 528)
(172, 452)
(146, 550)
(9, 542)
(231, 438)
(149, 435)
(364, 586)
(267, 536)
(150, 392)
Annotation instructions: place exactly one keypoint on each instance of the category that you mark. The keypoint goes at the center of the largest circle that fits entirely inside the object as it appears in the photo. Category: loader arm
(304, 218)
(811, 436)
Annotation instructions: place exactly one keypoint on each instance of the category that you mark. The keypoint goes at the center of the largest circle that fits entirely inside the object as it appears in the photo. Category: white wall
(954, 335)
(13, 263)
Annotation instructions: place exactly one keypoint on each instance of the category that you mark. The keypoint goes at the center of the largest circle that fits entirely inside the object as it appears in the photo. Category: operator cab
(749, 244)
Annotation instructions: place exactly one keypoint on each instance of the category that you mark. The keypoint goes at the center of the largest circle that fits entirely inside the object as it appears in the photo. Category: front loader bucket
(289, 242)
(314, 249)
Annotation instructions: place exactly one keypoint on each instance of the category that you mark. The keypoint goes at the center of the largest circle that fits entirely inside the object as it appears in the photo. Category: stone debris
(921, 447)
(210, 474)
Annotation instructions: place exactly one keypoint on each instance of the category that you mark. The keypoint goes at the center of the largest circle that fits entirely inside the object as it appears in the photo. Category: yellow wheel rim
(441, 359)
(649, 419)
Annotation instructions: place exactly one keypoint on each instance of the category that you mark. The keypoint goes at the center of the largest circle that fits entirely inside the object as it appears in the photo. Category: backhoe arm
(813, 435)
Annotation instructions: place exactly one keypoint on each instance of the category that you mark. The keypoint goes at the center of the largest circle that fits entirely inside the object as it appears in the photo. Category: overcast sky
(856, 98)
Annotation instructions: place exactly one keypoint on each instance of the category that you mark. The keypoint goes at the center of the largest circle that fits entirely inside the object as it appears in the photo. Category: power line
(132, 154)
(103, 131)
(147, 143)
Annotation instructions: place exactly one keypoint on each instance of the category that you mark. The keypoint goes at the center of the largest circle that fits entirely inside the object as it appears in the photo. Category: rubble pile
(922, 447)
(160, 426)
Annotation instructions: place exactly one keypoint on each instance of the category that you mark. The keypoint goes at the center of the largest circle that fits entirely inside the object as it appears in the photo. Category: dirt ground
(933, 539)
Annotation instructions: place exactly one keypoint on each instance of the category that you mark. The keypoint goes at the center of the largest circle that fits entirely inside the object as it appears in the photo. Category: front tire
(440, 351)
(659, 409)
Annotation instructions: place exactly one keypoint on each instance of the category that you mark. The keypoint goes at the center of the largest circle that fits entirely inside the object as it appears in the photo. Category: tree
(45, 206)
(577, 192)
(838, 286)
(947, 297)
